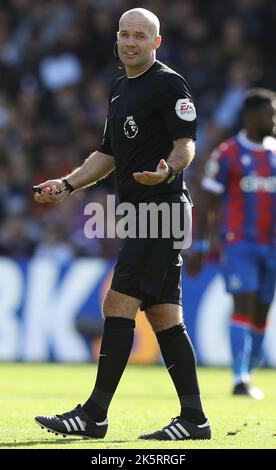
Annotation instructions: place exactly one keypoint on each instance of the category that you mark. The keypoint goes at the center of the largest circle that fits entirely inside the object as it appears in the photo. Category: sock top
(112, 323)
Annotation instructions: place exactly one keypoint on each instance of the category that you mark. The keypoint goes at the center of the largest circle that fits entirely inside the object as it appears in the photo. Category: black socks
(179, 357)
(115, 350)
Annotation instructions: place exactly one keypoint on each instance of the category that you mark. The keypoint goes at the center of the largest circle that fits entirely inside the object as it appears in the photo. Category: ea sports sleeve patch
(178, 109)
(185, 109)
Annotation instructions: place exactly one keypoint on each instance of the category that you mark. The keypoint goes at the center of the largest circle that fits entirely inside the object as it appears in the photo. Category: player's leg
(240, 336)
(241, 274)
(119, 311)
(267, 279)
(179, 357)
(258, 329)
(90, 420)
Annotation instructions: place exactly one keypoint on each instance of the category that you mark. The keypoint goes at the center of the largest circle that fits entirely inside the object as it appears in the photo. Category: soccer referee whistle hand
(151, 178)
(50, 191)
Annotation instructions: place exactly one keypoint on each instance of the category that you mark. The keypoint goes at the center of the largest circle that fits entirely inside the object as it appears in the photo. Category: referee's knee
(120, 305)
(165, 316)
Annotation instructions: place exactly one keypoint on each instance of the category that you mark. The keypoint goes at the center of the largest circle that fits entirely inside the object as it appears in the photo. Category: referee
(149, 139)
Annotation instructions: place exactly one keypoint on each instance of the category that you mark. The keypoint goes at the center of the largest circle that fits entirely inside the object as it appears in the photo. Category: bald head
(141, 14)
(137, 40)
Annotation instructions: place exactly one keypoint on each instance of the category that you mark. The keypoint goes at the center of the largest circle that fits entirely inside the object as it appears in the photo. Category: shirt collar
(267, 143)
(142, 73)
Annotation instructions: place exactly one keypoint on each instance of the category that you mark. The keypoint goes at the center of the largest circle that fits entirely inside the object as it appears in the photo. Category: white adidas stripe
(103, 423)
(205, 425)
(75, 422)
(75, 427)
(176, 432)
(79, 421)
(185, 432)
(67, 425)
(173, 438)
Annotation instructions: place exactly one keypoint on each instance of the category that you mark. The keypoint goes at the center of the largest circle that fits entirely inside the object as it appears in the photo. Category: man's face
(136, 42)
(267, 119)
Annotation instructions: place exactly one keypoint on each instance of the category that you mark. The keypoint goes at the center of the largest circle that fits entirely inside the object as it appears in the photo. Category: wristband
(67, 185)
(201, 246)
(172, 175)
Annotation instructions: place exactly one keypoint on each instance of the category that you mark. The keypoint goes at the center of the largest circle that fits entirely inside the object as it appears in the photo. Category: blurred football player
(241, 178)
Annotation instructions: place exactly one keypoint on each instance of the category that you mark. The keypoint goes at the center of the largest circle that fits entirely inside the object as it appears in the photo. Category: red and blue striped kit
(244, 172)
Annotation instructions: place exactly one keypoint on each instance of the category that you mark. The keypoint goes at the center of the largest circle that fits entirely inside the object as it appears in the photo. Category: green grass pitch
(145, 401)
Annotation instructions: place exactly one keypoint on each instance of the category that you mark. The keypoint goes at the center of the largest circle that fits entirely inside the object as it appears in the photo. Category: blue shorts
(250, 267)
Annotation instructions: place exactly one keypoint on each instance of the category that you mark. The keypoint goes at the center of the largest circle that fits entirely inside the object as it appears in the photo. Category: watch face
(171, 179)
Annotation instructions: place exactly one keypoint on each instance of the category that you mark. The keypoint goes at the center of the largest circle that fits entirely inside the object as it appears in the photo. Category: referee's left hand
(153, 177)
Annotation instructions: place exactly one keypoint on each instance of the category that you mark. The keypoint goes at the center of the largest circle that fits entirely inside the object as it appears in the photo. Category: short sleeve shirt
(146, 114)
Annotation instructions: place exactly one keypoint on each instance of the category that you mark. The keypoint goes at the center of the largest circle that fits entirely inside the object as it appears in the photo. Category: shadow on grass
(26, 444)
(33, 443)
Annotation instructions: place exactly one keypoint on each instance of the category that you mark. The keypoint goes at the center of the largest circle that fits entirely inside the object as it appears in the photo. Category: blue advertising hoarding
(52, 312)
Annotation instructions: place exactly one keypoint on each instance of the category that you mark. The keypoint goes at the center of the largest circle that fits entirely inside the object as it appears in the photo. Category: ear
(115, 50)
(158, 42)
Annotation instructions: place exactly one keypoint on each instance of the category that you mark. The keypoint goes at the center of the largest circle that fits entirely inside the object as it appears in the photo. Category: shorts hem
(148, 304)
(129, 292)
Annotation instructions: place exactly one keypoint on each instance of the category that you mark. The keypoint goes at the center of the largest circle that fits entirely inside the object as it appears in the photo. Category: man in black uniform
(149, 140)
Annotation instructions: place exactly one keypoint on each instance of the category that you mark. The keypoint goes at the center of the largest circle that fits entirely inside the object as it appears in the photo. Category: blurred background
(56, 68)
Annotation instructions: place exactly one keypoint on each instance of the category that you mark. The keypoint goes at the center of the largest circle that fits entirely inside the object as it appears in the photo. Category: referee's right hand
(50, 191)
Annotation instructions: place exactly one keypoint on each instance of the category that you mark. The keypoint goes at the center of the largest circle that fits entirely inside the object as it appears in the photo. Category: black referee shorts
(149, 269)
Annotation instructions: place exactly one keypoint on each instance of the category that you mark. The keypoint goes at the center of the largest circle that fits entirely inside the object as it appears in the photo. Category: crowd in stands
(56, 68)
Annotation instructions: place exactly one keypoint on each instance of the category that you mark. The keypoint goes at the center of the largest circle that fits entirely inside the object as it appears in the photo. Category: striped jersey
(245, 174)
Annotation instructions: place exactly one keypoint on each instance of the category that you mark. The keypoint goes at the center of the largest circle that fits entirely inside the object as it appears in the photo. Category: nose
(130, 41)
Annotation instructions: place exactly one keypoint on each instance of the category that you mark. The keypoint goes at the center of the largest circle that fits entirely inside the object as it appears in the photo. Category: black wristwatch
(172, 175)
(67, 185)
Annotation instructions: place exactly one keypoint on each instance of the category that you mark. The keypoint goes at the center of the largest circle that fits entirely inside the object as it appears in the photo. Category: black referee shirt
(146, 113)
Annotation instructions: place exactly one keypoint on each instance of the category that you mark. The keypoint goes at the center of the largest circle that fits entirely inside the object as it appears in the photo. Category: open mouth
(130, 54)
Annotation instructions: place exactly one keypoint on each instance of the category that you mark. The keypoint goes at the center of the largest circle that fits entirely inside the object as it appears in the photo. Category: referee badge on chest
(130, 127)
